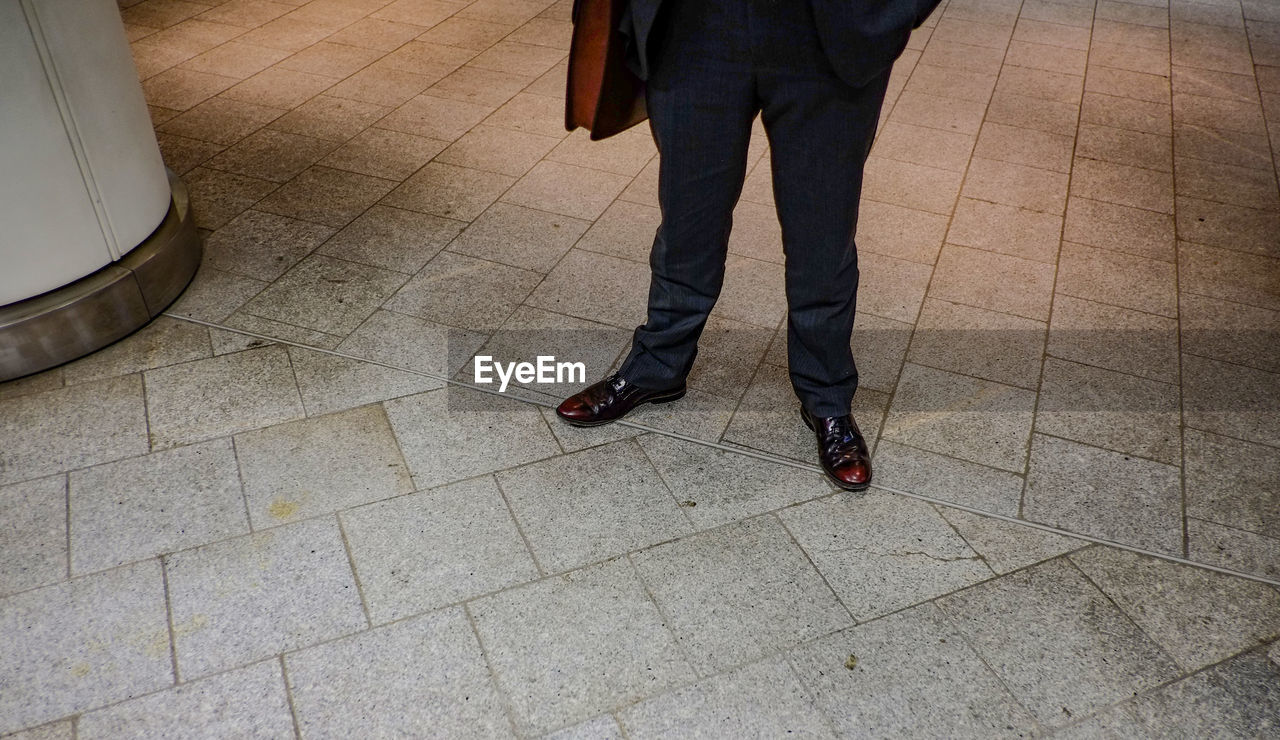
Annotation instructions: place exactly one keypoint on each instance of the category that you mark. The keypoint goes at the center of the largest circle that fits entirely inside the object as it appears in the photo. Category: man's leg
(820, 131)
(701, 103)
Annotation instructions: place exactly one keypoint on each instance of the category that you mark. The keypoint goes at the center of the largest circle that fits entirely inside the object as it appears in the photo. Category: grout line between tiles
(767, 458)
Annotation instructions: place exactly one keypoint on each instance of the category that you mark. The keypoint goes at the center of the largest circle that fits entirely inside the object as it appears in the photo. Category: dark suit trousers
(715, 65)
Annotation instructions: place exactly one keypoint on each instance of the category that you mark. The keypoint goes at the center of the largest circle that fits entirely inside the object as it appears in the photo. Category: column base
(98, 309)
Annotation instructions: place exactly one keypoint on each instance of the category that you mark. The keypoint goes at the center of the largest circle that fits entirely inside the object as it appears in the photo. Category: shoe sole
(840, 483)
(667, 398)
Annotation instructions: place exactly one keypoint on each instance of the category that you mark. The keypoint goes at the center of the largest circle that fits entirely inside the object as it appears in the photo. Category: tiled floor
(278, 511)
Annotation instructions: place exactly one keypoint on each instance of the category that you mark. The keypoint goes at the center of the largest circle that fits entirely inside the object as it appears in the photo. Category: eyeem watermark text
(544, 369)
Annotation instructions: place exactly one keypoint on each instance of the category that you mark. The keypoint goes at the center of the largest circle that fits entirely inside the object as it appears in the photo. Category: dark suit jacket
(860, 37)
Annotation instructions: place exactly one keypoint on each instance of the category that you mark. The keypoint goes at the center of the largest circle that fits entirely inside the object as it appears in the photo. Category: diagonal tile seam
(747, 452)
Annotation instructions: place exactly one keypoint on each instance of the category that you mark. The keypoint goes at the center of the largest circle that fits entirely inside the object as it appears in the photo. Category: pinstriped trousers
(715, 65)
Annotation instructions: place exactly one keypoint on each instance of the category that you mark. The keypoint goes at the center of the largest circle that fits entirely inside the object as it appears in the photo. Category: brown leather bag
(603, 95)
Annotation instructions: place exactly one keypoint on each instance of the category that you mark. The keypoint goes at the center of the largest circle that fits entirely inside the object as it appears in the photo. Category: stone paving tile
(248, 598)
(33, 539)
(234, 59)
(1126, 84)
(1249, 187)
(182, 89)
(753, 292)
(591, 505)
(728, 354)
(511, 153)
(68, 428)
(1233, 332)
(1105, 494)
(315, 466)
(697, 473)
(1135, 114)
(1056, 642)
(1115, 338)
(973, 341)
(277, 87)
(1121, 228)
(247, 322)
(1228, 225)
(85, 643)
(422, 676)
(905, 468)
(1034, 113)
(326, 196)
(1198, 617)
(452, 192)
(891, 288)
(1236, 549)
(1231, 482)
(975, 420)
(221, 395)
(567, 189)
(1229, 275)
(898, 232)
(1230, 399)
(384, 85)
(533, 114)
(573, 439)
(246, 702)
(595, 287)
(450, 434)
(435, 548)
(699, 415)
(522, 237)
(164, 341)
(136, 509)
(261, 245)
(47, 380)
(182, 154)
(891, 657)
(214, 294)
(457, 290)
(625, 154)
(1004, 546)
(1112, 410)
(909, 185)
(739, 593)
(412, 343)
(487, 87)
(329, 383)
(381, 153)
(271, 155)
(566, 648)
(1150, 151)
(63, 730)
(329, 295)
(1123, 185)
(964, 275)
(1234, 698)
(217, 197)
(1006, 229)
(331, 118)
(764, 699)
(882, 552)
(627, 230)
(392, 238)
(603, 727)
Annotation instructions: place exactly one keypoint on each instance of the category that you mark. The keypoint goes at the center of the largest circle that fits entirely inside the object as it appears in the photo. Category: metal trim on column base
(108, 305)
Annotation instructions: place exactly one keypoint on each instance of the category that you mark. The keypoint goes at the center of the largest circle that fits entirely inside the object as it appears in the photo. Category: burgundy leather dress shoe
(841, 449)
(610, 400)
